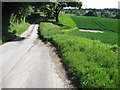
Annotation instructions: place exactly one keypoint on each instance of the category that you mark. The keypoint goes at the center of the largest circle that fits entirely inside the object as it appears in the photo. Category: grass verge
(90, 63)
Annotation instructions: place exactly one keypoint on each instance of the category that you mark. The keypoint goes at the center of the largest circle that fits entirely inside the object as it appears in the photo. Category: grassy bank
(90, 63)
(9, 32)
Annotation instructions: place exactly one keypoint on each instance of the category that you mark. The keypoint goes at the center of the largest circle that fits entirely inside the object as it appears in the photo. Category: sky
(100, 4)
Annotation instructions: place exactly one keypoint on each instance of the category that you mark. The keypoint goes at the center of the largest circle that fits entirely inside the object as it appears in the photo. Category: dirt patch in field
(95, 31)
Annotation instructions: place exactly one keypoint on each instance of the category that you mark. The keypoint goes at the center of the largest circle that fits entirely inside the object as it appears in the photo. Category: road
(27, 63)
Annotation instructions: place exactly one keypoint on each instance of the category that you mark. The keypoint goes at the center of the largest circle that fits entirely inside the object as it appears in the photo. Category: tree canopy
(51, 9)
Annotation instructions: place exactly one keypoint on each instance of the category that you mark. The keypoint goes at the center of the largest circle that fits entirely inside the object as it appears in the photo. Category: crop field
(96, 23)
(106, 37)
(90, 63)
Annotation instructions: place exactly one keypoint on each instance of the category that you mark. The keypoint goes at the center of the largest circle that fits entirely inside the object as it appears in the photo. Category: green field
(83, 21)
(96, 23)
(106, 37)
(67, 20)
(90, 63)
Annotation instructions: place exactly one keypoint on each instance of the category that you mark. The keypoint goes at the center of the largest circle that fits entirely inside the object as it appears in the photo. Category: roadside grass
(96, 23)
(0, 42)
(89, 63)
(18, 28)
(14, 30)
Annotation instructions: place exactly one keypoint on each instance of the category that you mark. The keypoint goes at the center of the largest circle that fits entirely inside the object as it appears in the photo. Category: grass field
(67, 20)
(106, 37)
(90, 63)
(83, 21)
(96, 23)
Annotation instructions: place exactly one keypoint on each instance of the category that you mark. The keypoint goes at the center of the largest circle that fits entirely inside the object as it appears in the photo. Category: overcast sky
(100, 4)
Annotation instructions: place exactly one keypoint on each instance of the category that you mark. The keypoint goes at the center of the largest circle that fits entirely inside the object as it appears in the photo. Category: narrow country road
(27, 63)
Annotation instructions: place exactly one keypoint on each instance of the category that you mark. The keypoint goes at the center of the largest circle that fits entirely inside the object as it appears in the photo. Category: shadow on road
(18, 39)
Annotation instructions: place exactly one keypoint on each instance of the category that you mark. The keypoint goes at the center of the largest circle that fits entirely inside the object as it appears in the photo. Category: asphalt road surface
(26, 63)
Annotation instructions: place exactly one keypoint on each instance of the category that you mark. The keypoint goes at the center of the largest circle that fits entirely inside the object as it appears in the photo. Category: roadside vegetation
(16, 18)
(13, 30)
(91, 59)
(90, 63)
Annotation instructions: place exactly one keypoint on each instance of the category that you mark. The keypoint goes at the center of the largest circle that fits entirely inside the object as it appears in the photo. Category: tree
(52, 9)
(59, 6)
(90, 13)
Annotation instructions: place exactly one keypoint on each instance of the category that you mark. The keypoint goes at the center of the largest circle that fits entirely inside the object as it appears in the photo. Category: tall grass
(90, 63)
(13, 27)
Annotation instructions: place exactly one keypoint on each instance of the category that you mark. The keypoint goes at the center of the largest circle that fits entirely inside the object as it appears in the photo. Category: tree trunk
(57, 11)
(57, 19)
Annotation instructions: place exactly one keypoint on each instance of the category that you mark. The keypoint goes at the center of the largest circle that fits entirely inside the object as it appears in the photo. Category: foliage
(90, 13)
(105, 13)
(52, 9)
(14, 19)
(12, 28)
(90, 63)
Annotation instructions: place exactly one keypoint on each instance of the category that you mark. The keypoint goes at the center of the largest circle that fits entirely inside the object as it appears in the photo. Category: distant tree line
(106, 13)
